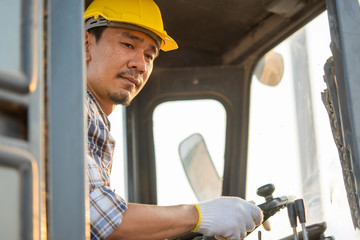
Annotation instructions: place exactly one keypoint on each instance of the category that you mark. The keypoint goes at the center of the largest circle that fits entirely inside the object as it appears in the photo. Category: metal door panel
(19, 190)
(10, 220)
(18, 45)
(21, 119)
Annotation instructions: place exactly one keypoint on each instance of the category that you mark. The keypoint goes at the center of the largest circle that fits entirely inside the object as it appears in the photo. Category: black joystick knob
(266, 191)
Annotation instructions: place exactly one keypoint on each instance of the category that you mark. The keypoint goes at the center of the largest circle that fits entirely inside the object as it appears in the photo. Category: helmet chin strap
(102, 22)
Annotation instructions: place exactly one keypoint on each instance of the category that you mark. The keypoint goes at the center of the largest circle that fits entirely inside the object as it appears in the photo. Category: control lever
(301, 213)
(266, 191)
(272, 205)
(293, 218)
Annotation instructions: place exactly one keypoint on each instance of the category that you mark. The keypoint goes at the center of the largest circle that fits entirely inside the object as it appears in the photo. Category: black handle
(292, 214)
(266, 191)
(300, 210)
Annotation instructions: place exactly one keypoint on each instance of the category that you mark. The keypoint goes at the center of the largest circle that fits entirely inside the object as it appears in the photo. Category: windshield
(290, 138)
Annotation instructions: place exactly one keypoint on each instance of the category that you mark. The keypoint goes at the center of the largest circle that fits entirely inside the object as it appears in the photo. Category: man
(122, 40)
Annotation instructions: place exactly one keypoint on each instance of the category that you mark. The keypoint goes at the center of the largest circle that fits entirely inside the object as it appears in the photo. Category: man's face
(118, 65)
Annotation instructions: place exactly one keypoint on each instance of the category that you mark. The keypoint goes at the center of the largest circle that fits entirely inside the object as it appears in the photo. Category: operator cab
(248, 78)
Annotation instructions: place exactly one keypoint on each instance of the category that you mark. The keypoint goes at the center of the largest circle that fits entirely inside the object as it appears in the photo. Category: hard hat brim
(167, 43)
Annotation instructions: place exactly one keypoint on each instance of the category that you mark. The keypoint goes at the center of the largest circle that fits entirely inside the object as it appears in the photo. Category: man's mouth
(132, 80)
(130, 77)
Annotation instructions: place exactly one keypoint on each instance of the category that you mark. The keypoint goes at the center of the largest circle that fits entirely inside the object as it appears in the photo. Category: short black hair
(97, 32)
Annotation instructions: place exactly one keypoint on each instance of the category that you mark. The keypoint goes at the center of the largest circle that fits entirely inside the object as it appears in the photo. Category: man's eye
(150, 57)
(127, 45)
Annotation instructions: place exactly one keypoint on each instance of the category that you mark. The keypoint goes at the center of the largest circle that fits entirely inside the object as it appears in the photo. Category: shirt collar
(100, 111)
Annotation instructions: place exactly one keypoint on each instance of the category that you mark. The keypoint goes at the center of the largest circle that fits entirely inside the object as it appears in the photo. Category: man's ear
(88, 39)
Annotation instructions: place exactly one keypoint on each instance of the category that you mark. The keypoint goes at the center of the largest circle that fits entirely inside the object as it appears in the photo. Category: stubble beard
(120, 98)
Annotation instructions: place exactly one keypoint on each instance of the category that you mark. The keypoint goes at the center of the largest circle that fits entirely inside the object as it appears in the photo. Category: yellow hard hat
(130, 14)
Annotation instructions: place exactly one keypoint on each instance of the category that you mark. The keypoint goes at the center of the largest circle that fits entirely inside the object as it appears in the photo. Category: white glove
(228, 217)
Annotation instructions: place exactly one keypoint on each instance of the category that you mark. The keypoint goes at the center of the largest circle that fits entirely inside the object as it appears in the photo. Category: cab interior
(220, 42)
(220, 46)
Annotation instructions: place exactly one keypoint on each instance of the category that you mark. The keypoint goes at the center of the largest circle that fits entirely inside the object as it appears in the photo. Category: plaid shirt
(106, 207)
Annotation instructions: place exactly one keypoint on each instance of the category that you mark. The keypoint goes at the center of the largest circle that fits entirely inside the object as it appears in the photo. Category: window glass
(118, 173)
(174, 122)
(290, 139)
(10, 40)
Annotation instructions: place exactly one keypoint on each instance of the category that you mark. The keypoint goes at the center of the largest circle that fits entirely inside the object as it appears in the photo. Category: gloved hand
(229, 217)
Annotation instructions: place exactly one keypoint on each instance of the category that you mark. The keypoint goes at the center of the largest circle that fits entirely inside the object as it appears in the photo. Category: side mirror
(199, 168)
(270, 69)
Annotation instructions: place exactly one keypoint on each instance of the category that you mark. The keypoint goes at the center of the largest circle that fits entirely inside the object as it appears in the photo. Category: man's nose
(138, 62)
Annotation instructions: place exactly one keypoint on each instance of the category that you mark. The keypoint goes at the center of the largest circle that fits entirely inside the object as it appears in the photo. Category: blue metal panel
(66, 120)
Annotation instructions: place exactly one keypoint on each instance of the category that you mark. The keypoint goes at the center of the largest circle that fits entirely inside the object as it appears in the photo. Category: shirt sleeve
(106, 207)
